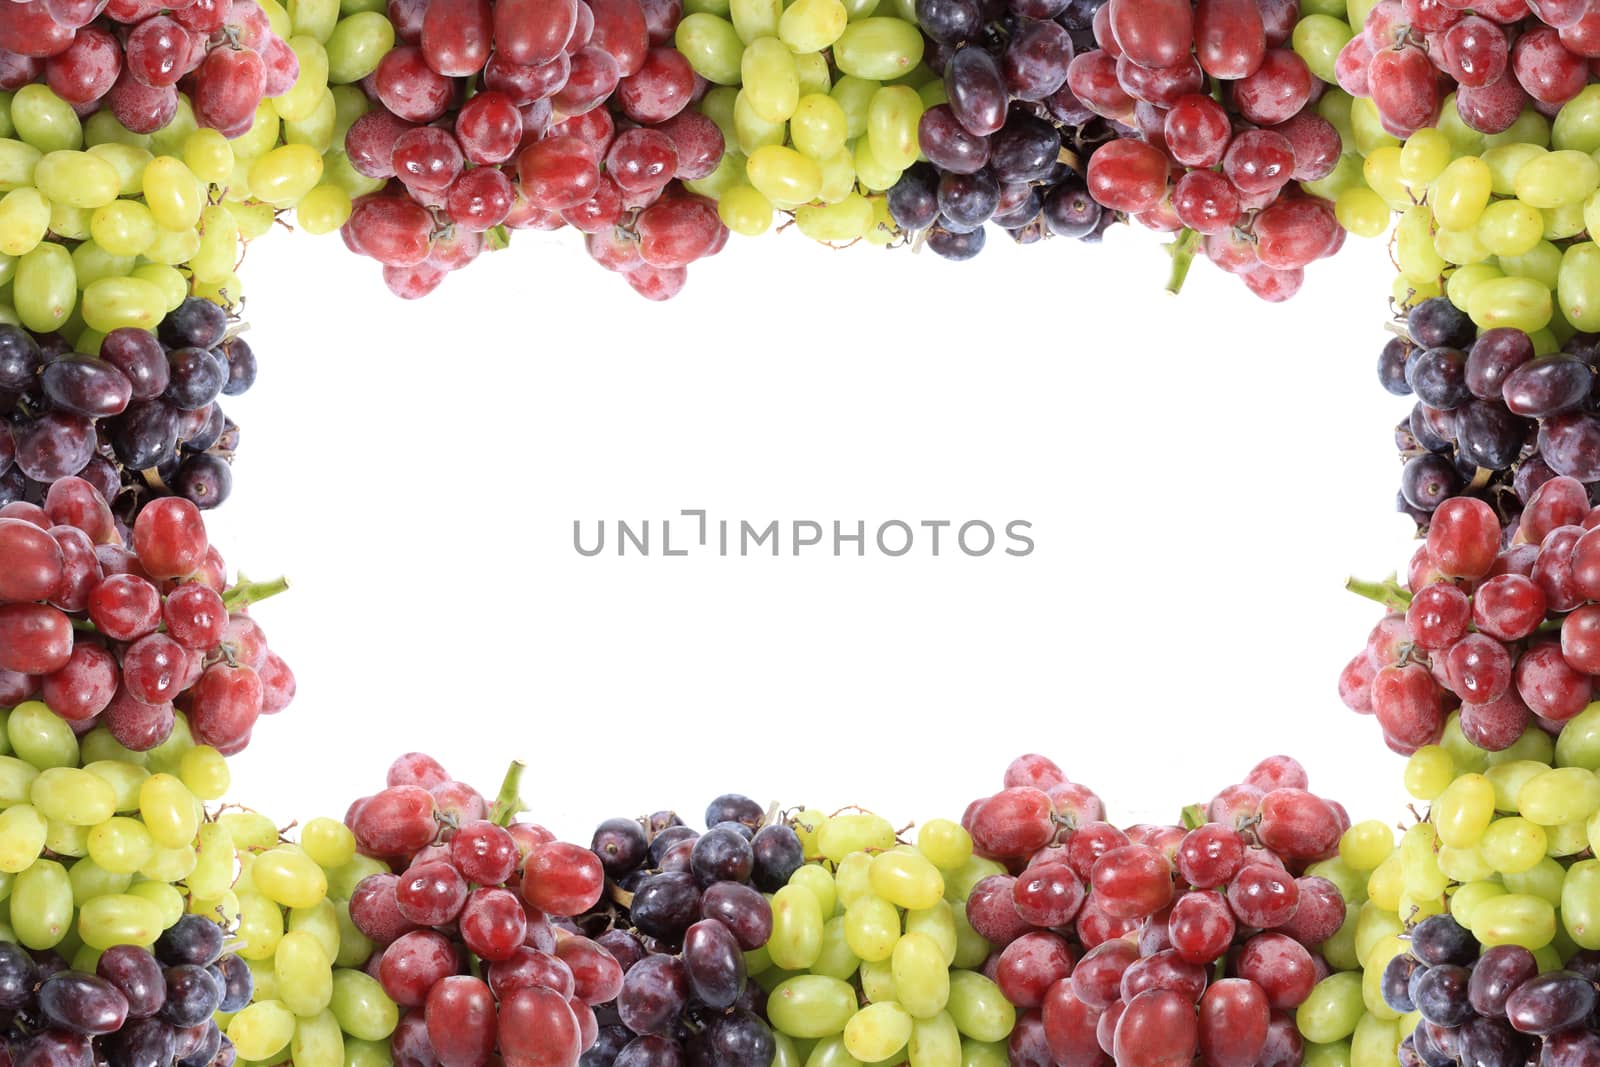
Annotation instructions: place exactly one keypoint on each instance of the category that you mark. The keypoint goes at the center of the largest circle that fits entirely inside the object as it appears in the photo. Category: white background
(1201, 474)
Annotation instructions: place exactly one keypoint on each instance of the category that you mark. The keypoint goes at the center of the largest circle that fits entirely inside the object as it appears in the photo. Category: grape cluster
(1503, 633)
(128, 639)
(519, 115)
(872, 958)
(1010, 142)
(465, 933)
(137, 1008)
(140, 420)
(1492, 419)
(686, 914)
(1156, 944)
(819, 103)
(1223, 173)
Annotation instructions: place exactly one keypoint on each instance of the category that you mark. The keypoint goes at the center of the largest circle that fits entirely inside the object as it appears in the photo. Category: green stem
(85, 626)
(508, 802)
(1182, 251)
(246, 593)
(1194, 817)
(1387, 592)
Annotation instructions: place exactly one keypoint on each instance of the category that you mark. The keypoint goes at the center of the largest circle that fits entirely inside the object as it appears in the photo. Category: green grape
(877, 980)
(44, 120)
(817, 879)
(22, 834)
(357, 44)
(939, 924)
(878, 48)
(16, 780)
(1375, 1042)
(1317, 40)
(342, 882)
(260, 926)
(872, 926)
(327, 841)
(1468, 757)
(1333, 1009)
(1340, 949)
(892, 118)
(324, 209)
(24, 221)
(947, 844)
(1556, 179)
(1577, 124)
(314, 18)
(1362, 212)
(809, 26)
(1543, 880)
(1461, 193)
(710, 7)
(845, 834)
(753, 19)
(1578, 297)
(921, 975)
(1505, 161)
(1414, 246)
(1335, 106)
(91, 263)
(173, 194)
(1386, 883)
(978, 1007)
(317, 1041)
(79, 179)
(1514, 302)
(171, 283)
(812, 70)
(935, 1042)
(316, 130)
(119, 919)
(752, 132)
(303, 98)
(169, 864)
(830, 1052)
(261, 138)
(810, 1005)
(168, 901)
(46, 288)
(1381, 172)
(358, 1053)
(362, 1007)
(1514, 919)
(1419, 862)
(287, 876)
(305, 973)
(1465, 900)
(1424, 157)
(983, 1053)
(285, 174)
(1561, 795)
(1513, 845)
(1564, 221)
(745, 211)
(1463, 811)
(103, 128)
(1366, 126)
(906, 879)
(1464, 140)
(797, 926)
(355, 948)
(712, 47)
(169, 811)
(873, 174)
(1464, 864)
(204, 772)
(112, 303)
(1541, 263)
(213, 870)
(1345, 175)
(1333, 1054)
(1459, 246)
(877, 1032)
(971, 947)
(835, 959)
(261, 1030)
(1580, 903)
(1429, 772)
(1508, 779)
(17, 160)
(124, 227)
(41, 905)
(1568, 839)
(818, 126)
(959, 883)
(123, 845)
(771, 82)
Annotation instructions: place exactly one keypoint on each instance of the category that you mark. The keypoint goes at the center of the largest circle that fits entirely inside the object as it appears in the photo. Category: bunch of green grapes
(871, 957)
(1500, 223)
(289, 910)
(818, 103)
(102, 228)
(1501, 845)
(95, 840)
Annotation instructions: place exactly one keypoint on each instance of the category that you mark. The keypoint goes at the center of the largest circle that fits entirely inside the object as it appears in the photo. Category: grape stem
(244, 593)
(508, 802)
(1194, 817)
(1387, 592)
(1182, 252)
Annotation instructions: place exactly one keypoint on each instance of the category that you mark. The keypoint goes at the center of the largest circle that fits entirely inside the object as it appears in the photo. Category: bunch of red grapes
(223, 54)
(122, 637)
(467, 946)
(523, 114)
(1509, 632)
(1158, 944)
(1224, 172)
(1499, 57)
